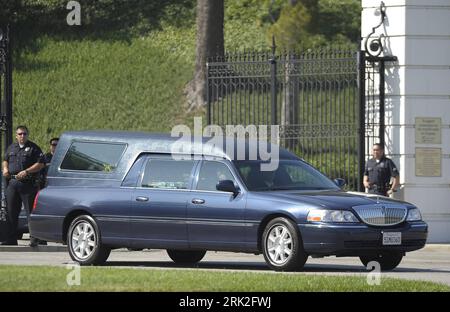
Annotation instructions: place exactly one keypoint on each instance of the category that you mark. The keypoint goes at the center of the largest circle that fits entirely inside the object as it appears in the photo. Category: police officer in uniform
(22, 161)
(379, 171)
(47, 160)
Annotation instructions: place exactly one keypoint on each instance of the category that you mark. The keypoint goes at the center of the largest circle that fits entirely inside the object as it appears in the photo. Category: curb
(62, 248)
(441, 247)
(33, 249)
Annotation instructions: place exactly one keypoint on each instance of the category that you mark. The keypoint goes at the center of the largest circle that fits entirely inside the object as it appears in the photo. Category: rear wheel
(387, 260)
(282, 246)
(186, 256)
(84, 242)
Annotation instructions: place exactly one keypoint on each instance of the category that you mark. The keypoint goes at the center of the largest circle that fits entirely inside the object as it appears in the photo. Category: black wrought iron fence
(312, 95)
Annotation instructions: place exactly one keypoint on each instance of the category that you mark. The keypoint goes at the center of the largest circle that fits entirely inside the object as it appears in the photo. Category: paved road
(430, 264)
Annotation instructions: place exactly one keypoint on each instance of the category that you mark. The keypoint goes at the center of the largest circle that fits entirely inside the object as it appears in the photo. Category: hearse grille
(381, 215)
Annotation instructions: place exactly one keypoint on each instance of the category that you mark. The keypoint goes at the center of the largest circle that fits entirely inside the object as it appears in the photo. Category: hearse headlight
(414, 215)
(342, 216)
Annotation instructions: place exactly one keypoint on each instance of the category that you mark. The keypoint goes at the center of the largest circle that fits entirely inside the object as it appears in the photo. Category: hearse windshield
(290, 175)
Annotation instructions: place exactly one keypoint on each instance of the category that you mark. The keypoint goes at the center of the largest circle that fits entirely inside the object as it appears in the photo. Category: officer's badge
(27, 149)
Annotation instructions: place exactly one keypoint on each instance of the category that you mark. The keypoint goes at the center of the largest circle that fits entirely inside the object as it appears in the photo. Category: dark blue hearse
(110, 190)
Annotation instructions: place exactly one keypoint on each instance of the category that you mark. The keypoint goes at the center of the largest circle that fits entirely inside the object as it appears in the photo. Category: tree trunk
(210, 42)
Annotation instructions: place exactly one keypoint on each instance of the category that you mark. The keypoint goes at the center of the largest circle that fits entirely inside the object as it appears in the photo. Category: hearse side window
(167, 174)
(93, 156)
(211, 173)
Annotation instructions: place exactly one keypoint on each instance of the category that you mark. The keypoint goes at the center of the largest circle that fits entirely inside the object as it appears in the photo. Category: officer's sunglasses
(22, 133)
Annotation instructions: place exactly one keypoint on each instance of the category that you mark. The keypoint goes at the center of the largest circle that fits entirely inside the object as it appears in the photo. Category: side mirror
(340, 182)
(227, 186)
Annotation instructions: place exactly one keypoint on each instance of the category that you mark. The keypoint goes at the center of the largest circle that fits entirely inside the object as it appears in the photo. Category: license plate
(392, 238)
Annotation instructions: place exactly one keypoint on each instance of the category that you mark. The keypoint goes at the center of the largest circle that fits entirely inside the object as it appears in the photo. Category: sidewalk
(23, 246)
(437, 247)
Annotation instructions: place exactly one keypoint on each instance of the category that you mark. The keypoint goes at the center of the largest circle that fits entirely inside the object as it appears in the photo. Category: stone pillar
(418, 87)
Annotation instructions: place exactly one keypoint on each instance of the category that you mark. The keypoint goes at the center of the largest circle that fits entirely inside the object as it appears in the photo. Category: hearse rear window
(93, 156)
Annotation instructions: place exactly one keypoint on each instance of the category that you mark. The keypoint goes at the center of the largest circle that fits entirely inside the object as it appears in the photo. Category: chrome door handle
(141, 199)
(198, 201)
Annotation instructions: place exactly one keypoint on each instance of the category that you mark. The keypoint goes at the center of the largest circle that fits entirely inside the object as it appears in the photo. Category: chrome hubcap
(279, 244)
(84, 240)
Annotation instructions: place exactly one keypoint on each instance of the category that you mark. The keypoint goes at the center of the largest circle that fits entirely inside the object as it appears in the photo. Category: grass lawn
(119, 80)
(102, 84)
(45, 278)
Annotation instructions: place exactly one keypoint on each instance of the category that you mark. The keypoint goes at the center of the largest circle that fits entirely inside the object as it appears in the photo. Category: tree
(340, 19)
(303, 24)
(290, 30)
(210, 42)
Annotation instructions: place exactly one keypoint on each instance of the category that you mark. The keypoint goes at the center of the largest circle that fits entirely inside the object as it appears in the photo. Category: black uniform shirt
(47, 160)
(380, 173)
(23, 158)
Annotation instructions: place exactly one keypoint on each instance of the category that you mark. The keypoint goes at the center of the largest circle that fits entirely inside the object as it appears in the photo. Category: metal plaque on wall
(428, 162)
(428, 130)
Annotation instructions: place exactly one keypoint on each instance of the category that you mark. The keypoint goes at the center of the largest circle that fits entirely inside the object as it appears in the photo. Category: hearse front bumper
(326, 239)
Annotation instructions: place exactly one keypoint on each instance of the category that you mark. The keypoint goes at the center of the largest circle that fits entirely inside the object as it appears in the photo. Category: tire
(186, 256)
(387, 260)
(90, 251)
(282, 246)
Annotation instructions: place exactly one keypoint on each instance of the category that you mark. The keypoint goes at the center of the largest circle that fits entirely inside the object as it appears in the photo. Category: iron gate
(313, 96)
(329, 104)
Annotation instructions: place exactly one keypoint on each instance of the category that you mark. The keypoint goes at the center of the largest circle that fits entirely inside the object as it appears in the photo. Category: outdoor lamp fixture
(374, 45)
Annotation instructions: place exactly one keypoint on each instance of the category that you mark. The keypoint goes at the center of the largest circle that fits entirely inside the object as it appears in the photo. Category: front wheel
(388, 260)
(186, 256)
(282, 246)
(84, 242)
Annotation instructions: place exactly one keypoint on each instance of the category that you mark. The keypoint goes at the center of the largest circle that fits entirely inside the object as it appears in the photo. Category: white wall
(418, 85)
